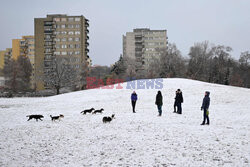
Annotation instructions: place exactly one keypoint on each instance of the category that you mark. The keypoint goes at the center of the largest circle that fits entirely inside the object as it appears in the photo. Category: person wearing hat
(179, 100)
(158, 102)
(205, 107)
(133, 100)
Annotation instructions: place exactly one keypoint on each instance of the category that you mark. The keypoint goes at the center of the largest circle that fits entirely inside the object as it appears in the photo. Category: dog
(108, 119)
(35, 117)
(53, 118)
(98, 111)
(87, 111)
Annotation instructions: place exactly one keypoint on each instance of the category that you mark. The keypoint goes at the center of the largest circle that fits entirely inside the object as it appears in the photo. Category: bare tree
(244, 68)
(61, 75)
(169, 64)
(198, 66)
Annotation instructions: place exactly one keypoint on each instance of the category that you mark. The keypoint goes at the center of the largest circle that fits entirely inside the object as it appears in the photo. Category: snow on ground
(140, 139)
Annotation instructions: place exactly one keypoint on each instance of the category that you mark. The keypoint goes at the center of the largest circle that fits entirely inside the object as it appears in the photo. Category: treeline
(206, 62)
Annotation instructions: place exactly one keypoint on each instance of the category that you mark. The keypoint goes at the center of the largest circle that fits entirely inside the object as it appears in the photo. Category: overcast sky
(222, 22)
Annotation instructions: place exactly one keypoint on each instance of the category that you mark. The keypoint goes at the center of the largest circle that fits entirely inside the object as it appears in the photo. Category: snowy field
(140, 139)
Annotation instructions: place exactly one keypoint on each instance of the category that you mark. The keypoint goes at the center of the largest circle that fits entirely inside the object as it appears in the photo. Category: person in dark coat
(158, 102)
(175, 104)
(179, 100)
(133, 100)
(205, 107)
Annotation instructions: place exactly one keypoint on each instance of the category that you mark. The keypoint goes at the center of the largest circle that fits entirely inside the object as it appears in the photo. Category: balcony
(48, 32)
(47, 39)
(87, 31)
(87, 50)
(48, 23)
(86, 24)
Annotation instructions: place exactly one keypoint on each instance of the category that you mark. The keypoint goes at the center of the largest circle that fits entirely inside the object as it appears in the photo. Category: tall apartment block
(2, 53)
(60, 35)
(4, 56)
(142, 44)
(25, 47)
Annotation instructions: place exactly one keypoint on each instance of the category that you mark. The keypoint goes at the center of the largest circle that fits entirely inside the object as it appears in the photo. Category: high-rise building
(63, 36)
(25, 47)
(2, 53)
(142, 45)
(4, 56)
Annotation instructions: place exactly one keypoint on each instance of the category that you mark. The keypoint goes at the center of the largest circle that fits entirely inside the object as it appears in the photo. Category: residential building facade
(2, 53)
(25, 47)
(60, 36)
(142, 45)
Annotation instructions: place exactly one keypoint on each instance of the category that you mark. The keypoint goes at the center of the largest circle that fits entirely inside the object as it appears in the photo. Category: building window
(56, 53)
(77, 52)
(77, 19)
(63, 19)
(46, 57)
(64, 46)
(70, 19)
(77, 32)
(71, 46)
(77, 25)
(64, 32)
(77, 39)
(56, 19)
(70, 39)
(47, 29)
(64, 53)
(70, 53)
(57, 39)
(47, 50)
(70, 26)
(71, 33)
(63, 26)
(57, 32)
(58, 46)
(77, 46)
(64, 39)
(48, 43)
(47, 37)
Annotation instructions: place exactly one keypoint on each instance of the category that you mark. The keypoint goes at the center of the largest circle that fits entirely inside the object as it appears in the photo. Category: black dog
(53, 118)
(87, 111)
(108, 119)
(98, 111)
(35, 117)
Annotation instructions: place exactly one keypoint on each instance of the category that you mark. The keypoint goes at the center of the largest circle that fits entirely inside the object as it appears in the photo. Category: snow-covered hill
(140, 139)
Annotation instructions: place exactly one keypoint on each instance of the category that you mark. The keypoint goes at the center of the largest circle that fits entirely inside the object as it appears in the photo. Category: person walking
(179, 100)
(158, 102)
(205, 107)
(133, 100)
(175, 104)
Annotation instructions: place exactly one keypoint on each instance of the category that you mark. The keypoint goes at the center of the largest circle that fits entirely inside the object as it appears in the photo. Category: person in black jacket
(179, 100)
(158, 102)
(205, 107)
(175, 104)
